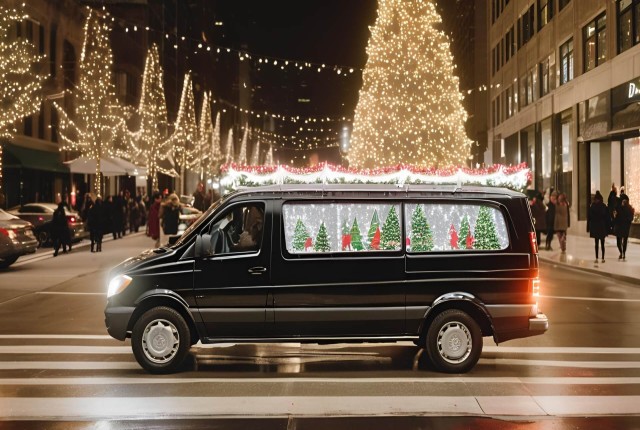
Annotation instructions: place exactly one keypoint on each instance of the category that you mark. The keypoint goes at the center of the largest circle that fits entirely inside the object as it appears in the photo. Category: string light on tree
(205, 136)
(410, 109)
(215, 155)
(185, 133)
(242, 154)
(149, 143)
(98, 119)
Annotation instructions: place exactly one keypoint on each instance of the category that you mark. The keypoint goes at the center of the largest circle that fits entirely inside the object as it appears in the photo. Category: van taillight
(535, 287)
(533, 242)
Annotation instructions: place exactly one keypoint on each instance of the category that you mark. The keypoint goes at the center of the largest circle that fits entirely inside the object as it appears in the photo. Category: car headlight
(118, 284)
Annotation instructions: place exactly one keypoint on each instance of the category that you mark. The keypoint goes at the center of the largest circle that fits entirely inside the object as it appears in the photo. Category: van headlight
(118, 284)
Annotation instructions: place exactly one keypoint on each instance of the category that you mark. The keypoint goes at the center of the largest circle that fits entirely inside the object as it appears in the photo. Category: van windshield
(196, 224)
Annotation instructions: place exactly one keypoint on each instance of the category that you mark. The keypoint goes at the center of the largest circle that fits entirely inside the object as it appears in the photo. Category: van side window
(239, 230)
(454, 226)
(342, 227)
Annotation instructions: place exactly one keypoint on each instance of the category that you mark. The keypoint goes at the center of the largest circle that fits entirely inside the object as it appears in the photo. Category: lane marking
(56, 336)
(153, 380)
(558, 363)
(272, 406)
(70, 293)
(591, 299)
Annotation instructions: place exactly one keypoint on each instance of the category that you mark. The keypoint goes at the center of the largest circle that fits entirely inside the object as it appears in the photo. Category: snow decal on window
(450, 227)
(342, 227)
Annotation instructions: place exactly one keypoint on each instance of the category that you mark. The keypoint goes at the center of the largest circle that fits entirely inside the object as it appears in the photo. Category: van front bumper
(117, 320)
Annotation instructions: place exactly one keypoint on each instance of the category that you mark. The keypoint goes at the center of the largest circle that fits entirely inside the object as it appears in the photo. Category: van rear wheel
(160, 340)
(454, 342)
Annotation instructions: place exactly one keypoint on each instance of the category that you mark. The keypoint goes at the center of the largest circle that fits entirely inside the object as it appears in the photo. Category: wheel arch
(156, 298)
(463, 301)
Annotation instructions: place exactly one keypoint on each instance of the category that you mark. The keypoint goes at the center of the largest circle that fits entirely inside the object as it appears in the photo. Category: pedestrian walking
(134, 215)
(60, 230)
(199, 198)
(562, 221)
(170, 215)
(612, 201)
(599, 223)
(116, 211)
(153, 222)
(622, 196)
(623, 217)
(96, 224)
(550, 220)
(538, 211)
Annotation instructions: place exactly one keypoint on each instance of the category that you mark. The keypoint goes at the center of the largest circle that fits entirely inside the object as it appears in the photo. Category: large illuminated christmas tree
(185, 133)
(410, 107)
(205, 137)
(21, 73)
(96, 125)
(150, 142)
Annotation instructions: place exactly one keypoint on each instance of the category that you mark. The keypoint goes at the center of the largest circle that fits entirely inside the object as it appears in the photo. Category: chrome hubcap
(160, 341)
(454, 342)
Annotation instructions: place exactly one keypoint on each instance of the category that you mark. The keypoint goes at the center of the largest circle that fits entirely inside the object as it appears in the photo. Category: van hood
(144, 259)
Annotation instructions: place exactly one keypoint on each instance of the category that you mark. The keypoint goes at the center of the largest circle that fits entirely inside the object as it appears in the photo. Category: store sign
(633, 91)
(625, 94)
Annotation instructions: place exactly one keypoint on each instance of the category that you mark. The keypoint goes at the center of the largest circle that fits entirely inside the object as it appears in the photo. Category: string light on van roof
(513, 177)
(410, 107)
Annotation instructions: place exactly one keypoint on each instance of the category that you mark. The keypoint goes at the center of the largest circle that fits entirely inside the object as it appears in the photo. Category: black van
(441, 266)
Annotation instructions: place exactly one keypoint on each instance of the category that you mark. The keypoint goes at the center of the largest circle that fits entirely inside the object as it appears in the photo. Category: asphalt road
(59, 368)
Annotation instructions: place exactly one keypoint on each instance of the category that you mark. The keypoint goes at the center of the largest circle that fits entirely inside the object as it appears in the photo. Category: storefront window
(545, 138)
(632, 173)
(566, 121)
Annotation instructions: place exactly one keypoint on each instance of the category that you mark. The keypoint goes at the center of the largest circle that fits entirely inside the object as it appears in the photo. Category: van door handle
(258, 270)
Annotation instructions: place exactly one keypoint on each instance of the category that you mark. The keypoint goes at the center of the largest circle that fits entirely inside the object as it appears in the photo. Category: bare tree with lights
(205, 134)
(21, 73)
(150, 142)
(215, 154)
(410, 107)
(185, 133)
(95, 126)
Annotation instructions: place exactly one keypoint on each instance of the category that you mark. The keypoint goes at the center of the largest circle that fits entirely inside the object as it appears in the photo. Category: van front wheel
(454, 342)
(160, 340)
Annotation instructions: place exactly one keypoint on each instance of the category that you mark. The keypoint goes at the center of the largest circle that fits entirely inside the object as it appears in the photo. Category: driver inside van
(249, 240)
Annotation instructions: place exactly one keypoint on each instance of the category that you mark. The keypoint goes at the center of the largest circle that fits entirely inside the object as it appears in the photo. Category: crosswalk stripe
(155, 380)
(275, 406)
(57, 336)
(591, 299)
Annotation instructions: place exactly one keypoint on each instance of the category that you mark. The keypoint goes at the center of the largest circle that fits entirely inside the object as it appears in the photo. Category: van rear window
(452, 227)
(342, 227)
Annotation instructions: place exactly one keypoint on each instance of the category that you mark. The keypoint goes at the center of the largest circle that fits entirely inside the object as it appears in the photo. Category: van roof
(408, 189)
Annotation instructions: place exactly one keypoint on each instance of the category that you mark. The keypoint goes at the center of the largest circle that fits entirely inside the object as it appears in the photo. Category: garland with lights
(513, 177)
(410, 107)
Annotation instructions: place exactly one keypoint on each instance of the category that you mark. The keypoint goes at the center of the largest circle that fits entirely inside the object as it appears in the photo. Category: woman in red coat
(153, 223)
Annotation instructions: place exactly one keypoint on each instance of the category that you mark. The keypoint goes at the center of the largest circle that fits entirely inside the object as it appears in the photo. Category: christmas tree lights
(185, 133)
(242, 154)
(98, 121)
(229, 147)
(149, 143)
(21, 73)
(215, 154)
(410, 107)
(205, 137)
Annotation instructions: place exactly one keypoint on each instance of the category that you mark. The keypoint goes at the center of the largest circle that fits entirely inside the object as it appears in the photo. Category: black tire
(8, 261)
(43, 238)
(160, 340)
(453, 342)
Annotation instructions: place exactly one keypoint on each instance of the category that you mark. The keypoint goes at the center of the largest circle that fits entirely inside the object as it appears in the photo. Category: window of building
(566, 62)
(545, 12)
(512, 44)
(510, 105)
(547, 154)
(342, 227)
(562, 4)
(628, 24)
(440, 226)
(526, 29)
(53, 41)
(544, 77)
(594, 37)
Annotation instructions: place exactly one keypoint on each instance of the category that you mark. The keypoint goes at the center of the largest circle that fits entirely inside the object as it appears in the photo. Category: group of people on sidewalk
(551, 217)
(613, 218)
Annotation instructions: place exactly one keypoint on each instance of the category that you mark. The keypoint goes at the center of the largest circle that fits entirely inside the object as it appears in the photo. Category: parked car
(438, 266)
(16, 239)
(41, 214)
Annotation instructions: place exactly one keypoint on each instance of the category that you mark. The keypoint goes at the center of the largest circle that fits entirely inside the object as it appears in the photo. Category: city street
(57, 364)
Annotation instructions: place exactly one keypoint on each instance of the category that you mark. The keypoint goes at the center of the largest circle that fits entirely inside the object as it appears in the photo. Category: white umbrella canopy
(108, 166)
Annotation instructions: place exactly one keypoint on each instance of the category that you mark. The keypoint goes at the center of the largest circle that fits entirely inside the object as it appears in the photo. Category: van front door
(232, 281)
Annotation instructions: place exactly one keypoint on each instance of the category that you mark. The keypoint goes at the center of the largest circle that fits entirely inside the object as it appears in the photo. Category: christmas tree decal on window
(421, 237)
(453, 237)
(356, 237)
(300, 236)
(373, 228)
(465, 233)
(390, 239)
(322, 240)
(485, 234)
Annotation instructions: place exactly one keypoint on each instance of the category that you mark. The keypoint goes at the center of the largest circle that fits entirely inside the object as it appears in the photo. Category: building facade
(564, 95)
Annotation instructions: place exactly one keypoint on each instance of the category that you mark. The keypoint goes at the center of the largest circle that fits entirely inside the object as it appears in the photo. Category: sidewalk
(581, 255)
